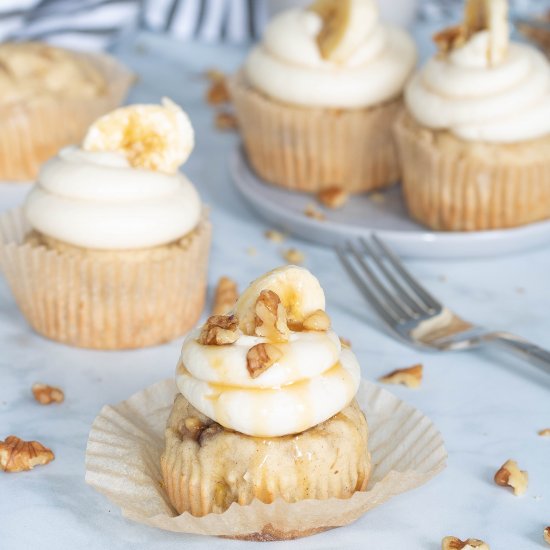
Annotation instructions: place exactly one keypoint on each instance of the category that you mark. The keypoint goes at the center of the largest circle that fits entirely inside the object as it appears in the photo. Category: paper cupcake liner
(126, 442)
(33, 131)
(112, 304)
(450, 184)
(308, 149)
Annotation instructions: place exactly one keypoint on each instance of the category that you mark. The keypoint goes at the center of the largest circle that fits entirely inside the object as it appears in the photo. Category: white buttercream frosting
(314, 380)
(462, 92)
(288, 65)
(97, 200)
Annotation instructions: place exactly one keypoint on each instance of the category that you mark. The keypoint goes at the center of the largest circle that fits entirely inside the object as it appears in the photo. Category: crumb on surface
(226, 121)
(311, 211)
(293, 256)
(274, 236)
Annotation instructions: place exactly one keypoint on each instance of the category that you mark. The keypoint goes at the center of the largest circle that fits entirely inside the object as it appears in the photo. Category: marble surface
(488, 406)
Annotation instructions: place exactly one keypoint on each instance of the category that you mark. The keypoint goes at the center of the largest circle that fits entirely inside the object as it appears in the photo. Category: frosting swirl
(288, 65)
(97, 200)
(504, 103)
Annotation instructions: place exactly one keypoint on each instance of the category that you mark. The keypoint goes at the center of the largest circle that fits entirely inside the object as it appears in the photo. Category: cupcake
(475, 140)
(41, 85)
(317, 99)
(266, 407)
(111, 247)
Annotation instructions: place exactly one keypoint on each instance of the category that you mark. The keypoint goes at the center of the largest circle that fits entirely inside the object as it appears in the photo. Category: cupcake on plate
(111, 248)
(316, 100)
(267, 405)
(48, 98)
(475, 140)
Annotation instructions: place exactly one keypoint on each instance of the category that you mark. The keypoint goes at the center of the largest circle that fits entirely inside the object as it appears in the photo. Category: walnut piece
(46, 395)
(545, 432)
(225, 296)
(410, 376)
(226, 121)
(454, 543)
(270, 317)
(274, 236)
(293, 256)
(260, 357)
(218, 92)
(311, 212)
(333, 197)
(318, 321)
(17, 455)
(546, 534)
(219, 330)
(509, 475)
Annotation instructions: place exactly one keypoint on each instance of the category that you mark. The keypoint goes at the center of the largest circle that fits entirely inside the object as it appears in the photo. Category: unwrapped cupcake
(267, 407)
(475, 142)
(48, 98)
(316, 100)
(111, 248)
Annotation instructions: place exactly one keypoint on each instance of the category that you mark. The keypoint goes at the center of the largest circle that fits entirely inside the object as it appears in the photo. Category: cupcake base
(309, 149)
(206, 468)
(105, 300)
(455, 185)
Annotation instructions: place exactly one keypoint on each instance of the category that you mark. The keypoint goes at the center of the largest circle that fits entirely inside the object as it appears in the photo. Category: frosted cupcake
(41, 85)
(111, 248)
(267, 406)
(316, 100)
(475, 142)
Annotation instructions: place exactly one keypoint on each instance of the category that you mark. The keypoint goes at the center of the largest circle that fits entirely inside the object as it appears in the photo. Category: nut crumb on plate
(312, 212)
(225, 296)
(252, 251)
(226, 121)
(274, 236)
(218, 93)
(509, 475)
(409, 376)
(546, 534)
(545, 432)
(454, 543)
(46, 395)
(333, 197)
(17, 455)
(293, 256)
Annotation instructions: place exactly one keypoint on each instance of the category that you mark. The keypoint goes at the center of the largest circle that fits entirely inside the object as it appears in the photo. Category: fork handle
(530, 352)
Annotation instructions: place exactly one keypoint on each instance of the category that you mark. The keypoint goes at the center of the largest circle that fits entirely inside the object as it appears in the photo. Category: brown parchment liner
(453, 185)
(123, 301)
(308, 149)
(127, 440)
(33, 130)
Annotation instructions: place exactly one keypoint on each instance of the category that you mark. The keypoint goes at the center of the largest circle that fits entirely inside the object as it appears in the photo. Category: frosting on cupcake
(312, 378)
(477, 100)
(288, 64)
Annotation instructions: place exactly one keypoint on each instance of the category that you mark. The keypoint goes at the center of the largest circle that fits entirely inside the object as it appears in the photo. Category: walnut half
(509, 475)
(219, 330)
(260, 357)
(454, 543)
(17, 455)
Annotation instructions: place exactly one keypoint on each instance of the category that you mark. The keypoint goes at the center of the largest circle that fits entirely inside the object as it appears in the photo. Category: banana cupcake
(475, 142)
(317, 99)
(48, 98)
(267, 407)
(111, 248)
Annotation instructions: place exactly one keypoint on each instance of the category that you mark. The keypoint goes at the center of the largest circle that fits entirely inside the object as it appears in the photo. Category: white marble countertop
(488, 406)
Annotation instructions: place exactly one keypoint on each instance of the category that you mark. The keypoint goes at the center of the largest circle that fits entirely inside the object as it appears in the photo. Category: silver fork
(412, 313)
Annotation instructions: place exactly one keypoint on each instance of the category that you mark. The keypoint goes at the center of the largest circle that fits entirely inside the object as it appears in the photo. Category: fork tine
(413, 301)
(402, 312)
(388, 317)
(426, 297)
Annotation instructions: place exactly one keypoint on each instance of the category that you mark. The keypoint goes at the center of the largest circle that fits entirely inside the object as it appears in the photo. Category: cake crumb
(251, 251)
(377, 197)
(333, 197)
(274, 236)
(545, 432)
(293, 256)
(226, 121)
(409, 376)
(312, 212)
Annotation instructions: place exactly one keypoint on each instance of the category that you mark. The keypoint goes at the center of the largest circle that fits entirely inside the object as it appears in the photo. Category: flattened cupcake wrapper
(308, 149)
(127, 440)
(33, 131)
(453, 185)
(111, 304)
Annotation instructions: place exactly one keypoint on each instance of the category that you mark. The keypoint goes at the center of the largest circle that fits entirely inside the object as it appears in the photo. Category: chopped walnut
(345, 342)
(17, 455)
(410, 376)
(450, 38)
(225, 296)
(333, 197)
(274, 236)
(226, 121)
(509, 475)
(311, 212)
(545, 432)
(293, 256)
(318, 321)
(260, 357)
(46, 395)
(270, 317)
(218, 92)
(546, 534)
(453, 543)
(219, 330)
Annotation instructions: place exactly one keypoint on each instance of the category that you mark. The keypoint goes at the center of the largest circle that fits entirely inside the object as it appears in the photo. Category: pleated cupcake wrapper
(32, 131)
(450, 188)
(105, 304)
(127, 440)
(308, 149)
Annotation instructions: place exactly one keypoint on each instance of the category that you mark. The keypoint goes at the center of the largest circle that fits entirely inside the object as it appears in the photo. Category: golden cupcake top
(31, 70)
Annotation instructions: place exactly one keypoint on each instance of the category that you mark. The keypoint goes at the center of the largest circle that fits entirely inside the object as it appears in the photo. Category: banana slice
(299, 292)
(346, 24)
(154, 137)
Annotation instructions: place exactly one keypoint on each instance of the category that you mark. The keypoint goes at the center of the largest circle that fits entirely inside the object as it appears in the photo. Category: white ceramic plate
(362, 215)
